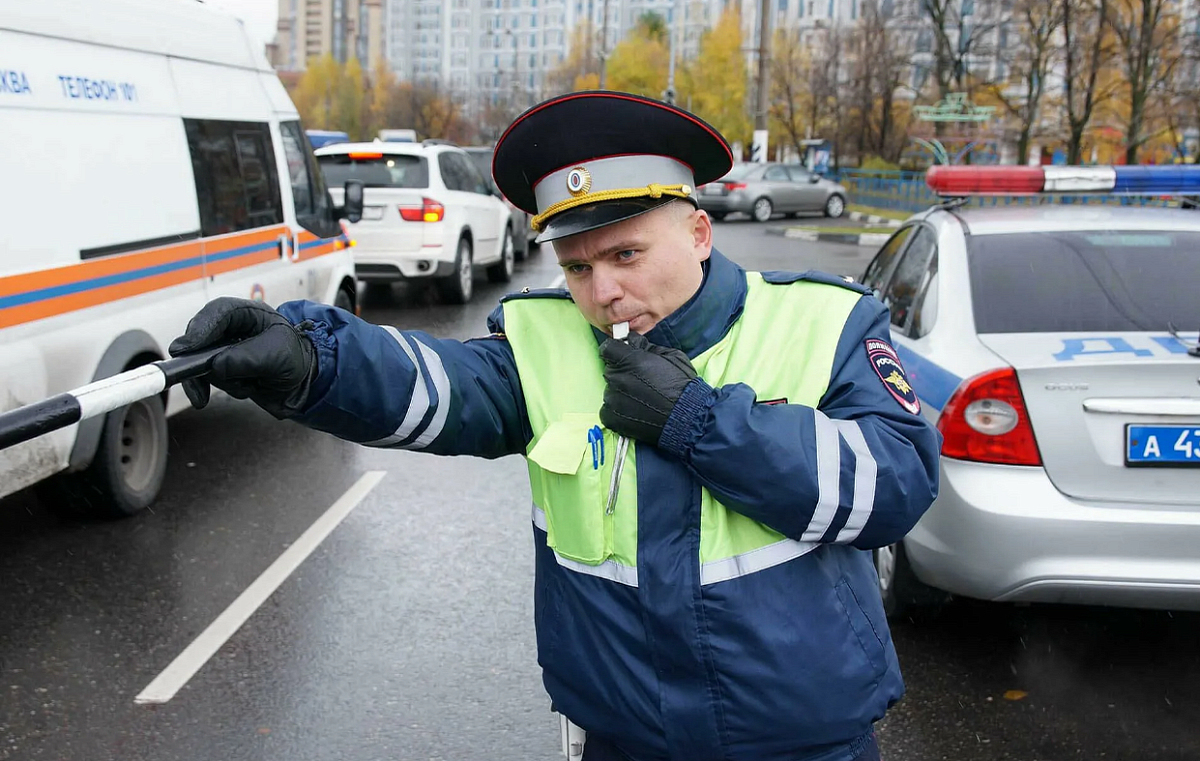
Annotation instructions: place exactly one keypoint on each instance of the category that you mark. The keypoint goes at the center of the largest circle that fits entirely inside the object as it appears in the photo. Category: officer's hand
(269, 361)
(644, 382)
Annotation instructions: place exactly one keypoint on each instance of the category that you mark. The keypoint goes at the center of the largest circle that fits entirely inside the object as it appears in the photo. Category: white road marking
(184, 667)
(559, 281)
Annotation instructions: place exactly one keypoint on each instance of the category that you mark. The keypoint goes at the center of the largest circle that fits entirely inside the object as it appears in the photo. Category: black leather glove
(644, 382)
(268, 361)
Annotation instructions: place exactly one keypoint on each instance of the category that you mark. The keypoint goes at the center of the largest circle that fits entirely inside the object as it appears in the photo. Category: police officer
(705, 491)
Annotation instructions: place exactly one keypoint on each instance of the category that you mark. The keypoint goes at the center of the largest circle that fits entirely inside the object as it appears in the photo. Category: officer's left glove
(644, 382)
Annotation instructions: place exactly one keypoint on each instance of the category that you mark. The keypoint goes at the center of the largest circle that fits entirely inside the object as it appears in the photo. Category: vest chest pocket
(570, 466)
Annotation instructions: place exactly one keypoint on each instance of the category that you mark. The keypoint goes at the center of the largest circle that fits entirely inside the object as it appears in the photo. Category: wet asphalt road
(407, 634)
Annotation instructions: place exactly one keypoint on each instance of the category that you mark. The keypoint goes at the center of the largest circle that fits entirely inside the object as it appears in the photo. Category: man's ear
(702, 234)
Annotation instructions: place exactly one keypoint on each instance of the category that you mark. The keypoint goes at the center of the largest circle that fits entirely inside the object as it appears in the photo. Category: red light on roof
(989, 180)
(359, 155)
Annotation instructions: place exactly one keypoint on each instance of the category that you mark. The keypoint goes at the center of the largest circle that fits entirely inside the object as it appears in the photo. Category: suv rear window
(1086, 280)
(387, 171)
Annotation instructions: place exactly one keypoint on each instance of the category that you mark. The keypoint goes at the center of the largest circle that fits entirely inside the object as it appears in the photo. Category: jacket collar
(708, 315)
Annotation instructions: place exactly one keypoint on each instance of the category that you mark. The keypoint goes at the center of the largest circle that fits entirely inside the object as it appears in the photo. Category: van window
(314, 209)
(237, 185)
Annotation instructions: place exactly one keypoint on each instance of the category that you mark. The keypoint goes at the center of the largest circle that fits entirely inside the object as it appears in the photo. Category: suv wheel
(458, 286)
(502, 271)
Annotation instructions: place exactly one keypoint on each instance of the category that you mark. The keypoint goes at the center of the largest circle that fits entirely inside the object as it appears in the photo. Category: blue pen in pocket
(596, 439)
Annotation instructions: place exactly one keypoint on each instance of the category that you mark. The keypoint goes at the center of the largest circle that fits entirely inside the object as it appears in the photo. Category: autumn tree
(715, 82)
(383, 83)
(1036, 50)
(791, 95)
(639, 63)
(961, 37)
(580, 70)
(315, 96)
(1086, 53)
(350, 99)
(1147, 48)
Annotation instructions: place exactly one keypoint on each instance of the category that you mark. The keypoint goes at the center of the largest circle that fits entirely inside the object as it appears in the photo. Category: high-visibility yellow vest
(782, 346)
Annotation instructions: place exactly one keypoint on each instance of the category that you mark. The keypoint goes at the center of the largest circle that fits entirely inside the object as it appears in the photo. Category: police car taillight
(986, 421)
(429, 211)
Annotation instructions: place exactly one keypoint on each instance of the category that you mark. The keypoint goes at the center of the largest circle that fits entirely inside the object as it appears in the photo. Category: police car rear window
(1084, 281)
(387, 171)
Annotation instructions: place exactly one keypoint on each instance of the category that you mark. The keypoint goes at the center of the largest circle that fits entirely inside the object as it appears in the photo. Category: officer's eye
(626, 255)
(577, 269)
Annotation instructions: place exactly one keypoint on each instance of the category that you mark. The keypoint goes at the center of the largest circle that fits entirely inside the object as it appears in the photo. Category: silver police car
(1056, 349)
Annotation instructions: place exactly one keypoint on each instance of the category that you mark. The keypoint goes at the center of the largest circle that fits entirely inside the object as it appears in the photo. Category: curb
(801, 233)
(858, 216)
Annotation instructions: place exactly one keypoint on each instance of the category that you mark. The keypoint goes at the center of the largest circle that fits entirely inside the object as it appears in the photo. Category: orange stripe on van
(37, 295)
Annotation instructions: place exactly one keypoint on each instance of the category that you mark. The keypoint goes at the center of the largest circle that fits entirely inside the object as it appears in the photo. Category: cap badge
(579, 181)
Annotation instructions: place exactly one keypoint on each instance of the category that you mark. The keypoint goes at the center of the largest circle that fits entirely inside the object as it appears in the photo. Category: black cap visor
(596, 215)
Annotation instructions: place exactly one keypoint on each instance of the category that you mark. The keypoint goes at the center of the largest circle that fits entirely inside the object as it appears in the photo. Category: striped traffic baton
(101, 397)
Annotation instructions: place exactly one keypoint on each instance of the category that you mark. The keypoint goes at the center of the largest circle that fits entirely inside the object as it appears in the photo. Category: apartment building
(505, 49)
(308, 29)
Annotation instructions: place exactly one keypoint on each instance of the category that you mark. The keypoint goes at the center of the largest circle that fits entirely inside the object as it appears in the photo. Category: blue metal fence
(907, 192)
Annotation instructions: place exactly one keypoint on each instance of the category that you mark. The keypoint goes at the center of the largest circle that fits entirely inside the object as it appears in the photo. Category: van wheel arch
(131, 349)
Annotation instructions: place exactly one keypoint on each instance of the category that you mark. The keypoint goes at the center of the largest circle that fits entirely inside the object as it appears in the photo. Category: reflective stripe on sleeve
(420, 403)
(865, 472)
(441, 382)
(829, 454)
(609, 569)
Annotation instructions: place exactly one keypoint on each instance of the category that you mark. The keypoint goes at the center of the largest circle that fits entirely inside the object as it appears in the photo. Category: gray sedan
(763, 190)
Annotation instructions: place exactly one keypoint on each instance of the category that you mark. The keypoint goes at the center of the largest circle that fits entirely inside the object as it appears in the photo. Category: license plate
(372, 212)
(712, 190)
(1162, 445)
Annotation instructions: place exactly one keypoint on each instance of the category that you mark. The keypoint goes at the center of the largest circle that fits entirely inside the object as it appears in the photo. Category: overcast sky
(259, 15)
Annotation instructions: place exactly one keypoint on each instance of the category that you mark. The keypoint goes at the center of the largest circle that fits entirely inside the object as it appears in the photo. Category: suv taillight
(732, 186)
(986, 421)
(429, 211)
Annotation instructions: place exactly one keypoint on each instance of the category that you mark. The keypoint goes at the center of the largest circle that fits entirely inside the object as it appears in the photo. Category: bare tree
(888, 60)
(1087, 51)
(1148, 50)
(1038, 25)
(961, 37)
(791, 67)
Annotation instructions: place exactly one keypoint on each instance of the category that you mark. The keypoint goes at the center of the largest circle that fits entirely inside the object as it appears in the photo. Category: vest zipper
(614, 484)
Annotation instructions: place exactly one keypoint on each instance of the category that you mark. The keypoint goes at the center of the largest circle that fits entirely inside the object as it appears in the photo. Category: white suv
(427, 213)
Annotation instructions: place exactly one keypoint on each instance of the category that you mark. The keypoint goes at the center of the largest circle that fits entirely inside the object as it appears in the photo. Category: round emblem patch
(887, 366)
(579, 181)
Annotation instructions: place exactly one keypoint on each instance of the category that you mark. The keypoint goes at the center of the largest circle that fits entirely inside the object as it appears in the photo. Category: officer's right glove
(269, 361)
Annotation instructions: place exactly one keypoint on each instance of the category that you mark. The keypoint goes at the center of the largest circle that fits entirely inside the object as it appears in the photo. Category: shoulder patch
(813, 276)
(887, 366)
(538, 293)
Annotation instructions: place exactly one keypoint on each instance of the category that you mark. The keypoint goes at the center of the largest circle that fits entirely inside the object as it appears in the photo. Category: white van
(151, 161)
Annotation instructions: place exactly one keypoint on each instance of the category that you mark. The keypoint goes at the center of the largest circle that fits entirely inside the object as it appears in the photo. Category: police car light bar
(1032, 180)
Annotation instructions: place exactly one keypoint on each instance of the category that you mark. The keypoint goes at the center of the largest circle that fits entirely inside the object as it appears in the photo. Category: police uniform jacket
(791, 663)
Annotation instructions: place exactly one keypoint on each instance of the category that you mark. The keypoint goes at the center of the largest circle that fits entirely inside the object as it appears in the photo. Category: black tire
(835, 206)
(900, 589)
(458, 287)
(344, 300)
(127, 472)
(762, 210)
(502, 271)
(719, 216)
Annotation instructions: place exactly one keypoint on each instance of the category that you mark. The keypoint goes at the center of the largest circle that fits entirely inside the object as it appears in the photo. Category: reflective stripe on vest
(782, 346)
